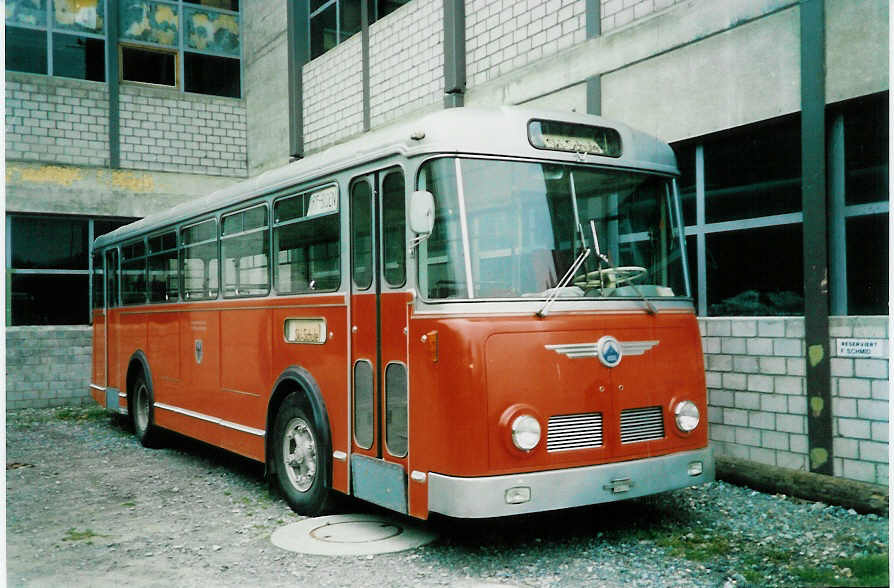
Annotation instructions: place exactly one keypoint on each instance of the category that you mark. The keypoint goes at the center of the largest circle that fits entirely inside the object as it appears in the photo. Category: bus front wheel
(299, 454)
(143, 425)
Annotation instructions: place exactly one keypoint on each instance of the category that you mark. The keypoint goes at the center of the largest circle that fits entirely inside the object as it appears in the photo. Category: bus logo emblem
(609, 350)
(199, 352)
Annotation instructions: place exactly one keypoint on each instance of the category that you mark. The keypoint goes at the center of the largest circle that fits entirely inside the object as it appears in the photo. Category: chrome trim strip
(464, 227)
(485, 496)
(122, 394)
(183, 308)
(100, 388)
(576, 350)
(516, 307)
(211, 419)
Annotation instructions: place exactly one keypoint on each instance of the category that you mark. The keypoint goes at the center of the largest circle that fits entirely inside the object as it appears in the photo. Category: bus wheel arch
(297, 414)
(140, 400)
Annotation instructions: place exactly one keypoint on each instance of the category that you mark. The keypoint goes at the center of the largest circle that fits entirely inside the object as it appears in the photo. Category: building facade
(115, 110)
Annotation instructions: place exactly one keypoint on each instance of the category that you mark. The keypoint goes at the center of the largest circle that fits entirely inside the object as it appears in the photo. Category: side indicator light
(431, 338)
(695, 468)
(518, 495)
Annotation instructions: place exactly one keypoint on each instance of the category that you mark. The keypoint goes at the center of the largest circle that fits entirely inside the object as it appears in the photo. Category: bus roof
(501, 131)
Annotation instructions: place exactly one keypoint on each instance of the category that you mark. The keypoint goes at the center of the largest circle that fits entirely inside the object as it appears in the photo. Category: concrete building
(115, 110)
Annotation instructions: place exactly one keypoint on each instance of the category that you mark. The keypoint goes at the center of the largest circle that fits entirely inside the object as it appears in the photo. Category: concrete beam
(58, 189)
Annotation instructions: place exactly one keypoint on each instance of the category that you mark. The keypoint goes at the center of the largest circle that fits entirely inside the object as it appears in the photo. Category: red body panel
(459, 390)
(487, 365)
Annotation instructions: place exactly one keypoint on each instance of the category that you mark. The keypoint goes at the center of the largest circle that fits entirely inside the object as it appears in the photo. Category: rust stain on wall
(45, 174)
(127, 180)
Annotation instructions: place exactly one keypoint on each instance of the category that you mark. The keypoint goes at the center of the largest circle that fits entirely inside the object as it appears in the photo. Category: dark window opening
(224, 4)
(83, 58)
(866, 150)
(207, 74)
(867, 265)
(49, 243)
(756, 272)
(26, 50)
(754, 172)
(50, 299)
(148, 66)
(323, 31)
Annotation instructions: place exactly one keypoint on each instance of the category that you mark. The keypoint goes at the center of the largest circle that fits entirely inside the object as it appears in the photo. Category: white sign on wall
(861, 348)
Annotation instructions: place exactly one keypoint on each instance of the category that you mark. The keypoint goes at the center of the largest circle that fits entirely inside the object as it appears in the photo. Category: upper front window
(57, 37)
(335, 21)
(509, 229)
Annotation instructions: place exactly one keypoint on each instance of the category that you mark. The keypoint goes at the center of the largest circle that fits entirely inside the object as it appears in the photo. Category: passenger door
(379, 320)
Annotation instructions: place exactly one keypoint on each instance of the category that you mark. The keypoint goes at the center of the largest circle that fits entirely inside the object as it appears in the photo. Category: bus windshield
(514, 229)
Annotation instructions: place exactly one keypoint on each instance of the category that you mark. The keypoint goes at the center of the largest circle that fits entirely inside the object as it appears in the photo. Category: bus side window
(133, 273)
(361, 235)
(394, 242)
(307, 239)
(98, 282)
(200, 264)
(163, 276)
(244, 250)
(112, 277)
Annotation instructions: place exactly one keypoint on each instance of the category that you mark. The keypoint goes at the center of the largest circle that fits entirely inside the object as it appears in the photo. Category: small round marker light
(525, 432)
(687, 416)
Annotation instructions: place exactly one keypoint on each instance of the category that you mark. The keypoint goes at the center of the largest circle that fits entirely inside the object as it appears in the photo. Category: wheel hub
(300, 454)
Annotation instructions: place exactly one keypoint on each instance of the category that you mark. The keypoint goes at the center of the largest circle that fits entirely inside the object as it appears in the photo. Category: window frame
(49, 28)
(266, 229)
(274, 224)
(181, 47)
(122, 45)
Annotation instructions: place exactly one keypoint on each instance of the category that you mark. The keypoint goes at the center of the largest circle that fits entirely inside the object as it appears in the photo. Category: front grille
(642, 424)
(574, 431)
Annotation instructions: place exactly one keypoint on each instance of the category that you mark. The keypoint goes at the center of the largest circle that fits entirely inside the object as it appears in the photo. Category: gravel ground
(86, 504)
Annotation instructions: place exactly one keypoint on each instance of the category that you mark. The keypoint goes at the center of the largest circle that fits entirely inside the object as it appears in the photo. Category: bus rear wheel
(299, 455)
(143, 418)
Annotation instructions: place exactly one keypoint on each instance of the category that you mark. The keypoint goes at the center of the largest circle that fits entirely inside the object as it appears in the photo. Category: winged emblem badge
(608, 350)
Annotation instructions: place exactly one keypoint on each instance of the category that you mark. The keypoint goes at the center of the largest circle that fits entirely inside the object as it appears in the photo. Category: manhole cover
(354, 534)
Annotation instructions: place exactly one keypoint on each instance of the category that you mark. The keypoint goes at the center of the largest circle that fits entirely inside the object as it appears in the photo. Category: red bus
(481, 313)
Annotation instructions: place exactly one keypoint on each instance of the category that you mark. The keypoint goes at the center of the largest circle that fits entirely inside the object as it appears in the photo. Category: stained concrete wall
(61, 189)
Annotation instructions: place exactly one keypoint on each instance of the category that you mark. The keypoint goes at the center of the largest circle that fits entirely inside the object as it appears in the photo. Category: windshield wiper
(602, 258)
(563, 282)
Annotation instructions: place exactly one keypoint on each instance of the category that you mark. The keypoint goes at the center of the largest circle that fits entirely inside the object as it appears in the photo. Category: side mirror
(422, 212)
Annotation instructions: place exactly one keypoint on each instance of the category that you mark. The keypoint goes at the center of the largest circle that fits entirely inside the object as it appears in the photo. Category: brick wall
(165, 130)
(502, 35)
(56, 120)
(47, 366)
(333, 95)
(758, 401)
(617, 13)
(406, 70)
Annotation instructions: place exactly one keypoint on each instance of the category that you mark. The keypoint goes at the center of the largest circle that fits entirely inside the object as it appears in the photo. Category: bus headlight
(525, 432)
(687, 416)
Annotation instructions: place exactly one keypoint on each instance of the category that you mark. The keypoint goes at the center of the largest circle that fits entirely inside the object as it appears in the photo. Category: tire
(302, 472)
(143, 413)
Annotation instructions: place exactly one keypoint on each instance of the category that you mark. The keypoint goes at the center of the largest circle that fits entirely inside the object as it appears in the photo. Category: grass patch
(869, 570)
(75, 535)
(71, 413)
(696, 547)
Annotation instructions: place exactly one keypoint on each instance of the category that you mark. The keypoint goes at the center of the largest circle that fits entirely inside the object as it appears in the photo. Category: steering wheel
(610, 277)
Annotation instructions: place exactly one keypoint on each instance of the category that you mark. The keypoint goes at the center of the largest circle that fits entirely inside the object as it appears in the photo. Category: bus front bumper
(495, 496)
